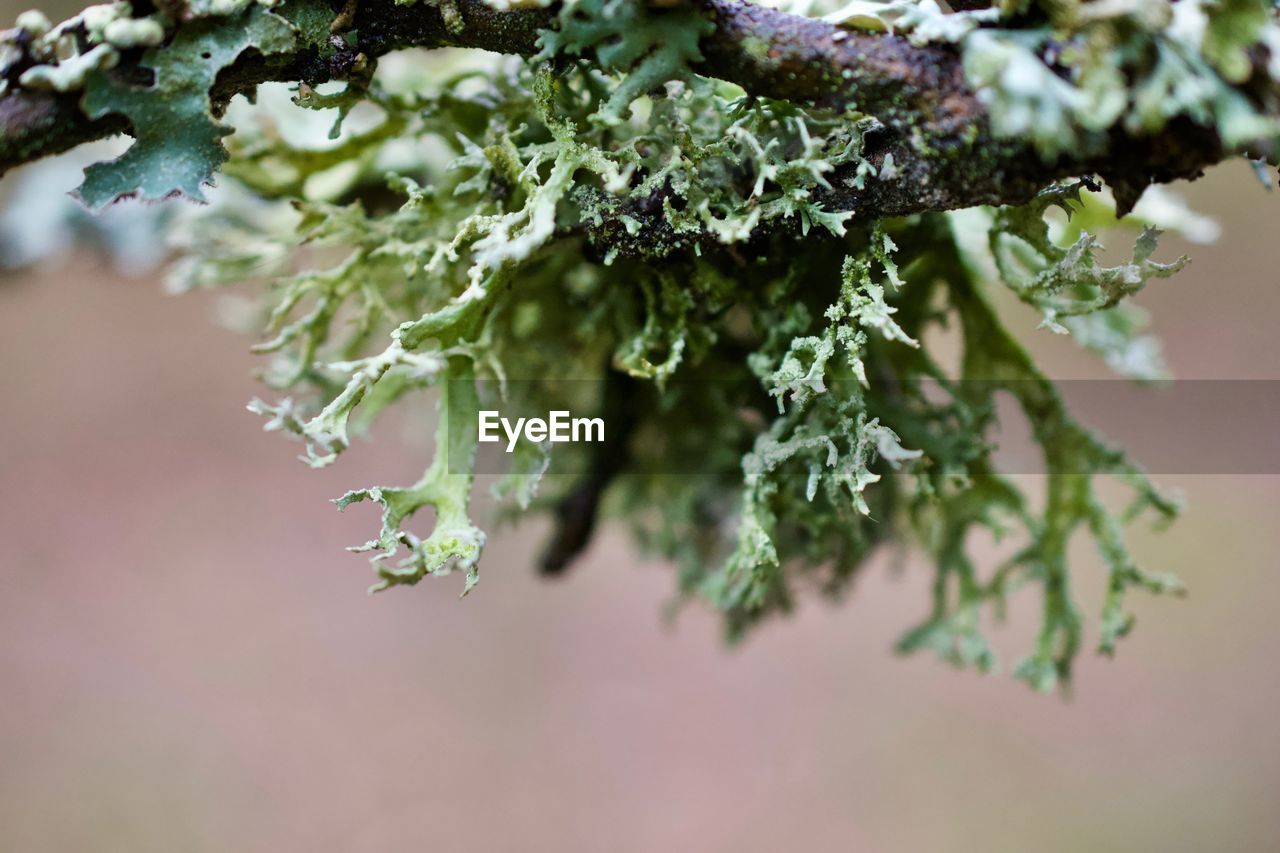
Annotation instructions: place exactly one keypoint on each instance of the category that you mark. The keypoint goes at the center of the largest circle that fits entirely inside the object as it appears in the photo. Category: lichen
(481, 267)
(650, 46)
(178, 141)
(526, 232)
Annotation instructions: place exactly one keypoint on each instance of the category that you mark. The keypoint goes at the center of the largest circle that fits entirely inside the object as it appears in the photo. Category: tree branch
(935, 127)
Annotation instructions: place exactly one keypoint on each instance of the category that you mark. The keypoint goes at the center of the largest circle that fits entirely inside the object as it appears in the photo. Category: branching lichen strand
(736, 215)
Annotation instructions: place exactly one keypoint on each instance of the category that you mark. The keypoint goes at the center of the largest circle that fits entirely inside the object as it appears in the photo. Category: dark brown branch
(918, 93)
(811, 62)
(38, 124)
(577, 512)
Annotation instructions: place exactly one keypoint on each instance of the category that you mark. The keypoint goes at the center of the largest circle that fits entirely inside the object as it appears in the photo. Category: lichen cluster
(486, 226)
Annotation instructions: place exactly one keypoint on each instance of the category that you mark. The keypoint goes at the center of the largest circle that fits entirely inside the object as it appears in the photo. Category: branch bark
(919, 93)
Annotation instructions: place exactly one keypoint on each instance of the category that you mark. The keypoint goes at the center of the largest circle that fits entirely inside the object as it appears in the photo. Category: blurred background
(188, 660)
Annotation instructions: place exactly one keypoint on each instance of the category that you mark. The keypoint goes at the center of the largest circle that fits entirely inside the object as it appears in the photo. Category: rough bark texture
(918, 93)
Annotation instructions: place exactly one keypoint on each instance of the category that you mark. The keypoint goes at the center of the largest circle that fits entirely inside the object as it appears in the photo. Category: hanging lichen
(699, 260)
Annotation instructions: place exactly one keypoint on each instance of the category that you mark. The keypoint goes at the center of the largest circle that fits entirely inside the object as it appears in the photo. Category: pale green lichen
(125, 33)
(178, 142)
(622, 35)
(455, 543)
(97, 18)
(34, 22)
(69, 76)
(223, 8)
(479, 270)
(1062, 79)
(603, 214)
(63, 63)
(1066, 281)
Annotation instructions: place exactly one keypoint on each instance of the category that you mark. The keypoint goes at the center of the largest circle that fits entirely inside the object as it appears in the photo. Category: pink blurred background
(188, 660)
